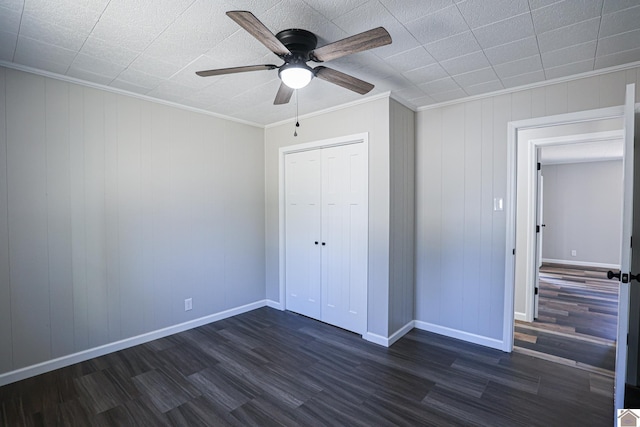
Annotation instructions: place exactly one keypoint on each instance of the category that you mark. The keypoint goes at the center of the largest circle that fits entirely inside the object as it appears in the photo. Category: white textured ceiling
(442, 49)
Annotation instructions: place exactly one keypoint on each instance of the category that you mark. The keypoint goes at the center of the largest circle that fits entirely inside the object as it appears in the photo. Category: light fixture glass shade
(296, 77)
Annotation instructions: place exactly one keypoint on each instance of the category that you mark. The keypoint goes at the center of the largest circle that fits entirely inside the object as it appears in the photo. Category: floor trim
(581, 263)
(274, 304)
(388, 341)
(81, 356)
(563, 361)
(61, 362)
(520, 316)
(575, 336)
(461, 335)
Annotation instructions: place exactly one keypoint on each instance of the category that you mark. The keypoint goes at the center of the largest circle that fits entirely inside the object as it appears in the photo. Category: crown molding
(118, 91)
(536, 85)
(332, 109)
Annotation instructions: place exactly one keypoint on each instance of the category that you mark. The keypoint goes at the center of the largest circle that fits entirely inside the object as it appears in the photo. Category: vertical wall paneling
(486, 217)
(429, 166)
(472, 216)
(244, 213)
(113, 211)
(501, 116)
(94, 209)
(556, 99)
(453, 178)
(521, 105)
(198, 161)
(538, 102)
(182, 188)
(402, 241)
(581, 94)
(6, 359)
(78, 228)
(58, 217)
(130, 220)
(612, 88)
(112, 240)
(28, 252)
(212, 234)
(146, 171)
(161, 219)
(437, 131)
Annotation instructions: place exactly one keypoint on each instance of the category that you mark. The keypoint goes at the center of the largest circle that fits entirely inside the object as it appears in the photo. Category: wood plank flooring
(268, 367)
(577, 319)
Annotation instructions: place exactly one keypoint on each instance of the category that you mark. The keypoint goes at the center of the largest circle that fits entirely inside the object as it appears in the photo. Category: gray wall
(371, 117)
(402, 221)
(583, 211)
(461, 165)
(113, 210)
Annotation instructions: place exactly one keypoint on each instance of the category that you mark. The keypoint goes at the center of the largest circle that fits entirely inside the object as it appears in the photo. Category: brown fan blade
(342, 79)
(257, 29)
(232, 70)
(358, 43)
(284, 95)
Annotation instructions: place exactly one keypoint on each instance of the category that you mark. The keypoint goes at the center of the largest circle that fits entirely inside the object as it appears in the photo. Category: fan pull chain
(295, 131)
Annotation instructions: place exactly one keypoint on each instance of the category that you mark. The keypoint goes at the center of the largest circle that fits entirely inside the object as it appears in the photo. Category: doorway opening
(571, 314)
(520, 235)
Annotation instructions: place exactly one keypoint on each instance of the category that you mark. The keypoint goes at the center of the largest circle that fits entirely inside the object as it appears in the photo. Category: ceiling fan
(296, 47)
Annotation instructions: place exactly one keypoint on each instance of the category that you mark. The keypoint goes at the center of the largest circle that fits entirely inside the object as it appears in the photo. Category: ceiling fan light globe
(296, 77)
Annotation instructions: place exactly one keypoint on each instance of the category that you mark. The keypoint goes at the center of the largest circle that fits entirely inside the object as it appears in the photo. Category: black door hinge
(536, 291)
(537, 228)
(539, 166)
(514, 251)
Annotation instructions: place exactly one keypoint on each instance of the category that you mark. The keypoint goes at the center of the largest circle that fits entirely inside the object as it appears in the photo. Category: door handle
(630, 277)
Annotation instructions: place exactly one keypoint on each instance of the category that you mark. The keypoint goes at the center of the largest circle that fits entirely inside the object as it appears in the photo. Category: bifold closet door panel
(345, 232)
(303, 232)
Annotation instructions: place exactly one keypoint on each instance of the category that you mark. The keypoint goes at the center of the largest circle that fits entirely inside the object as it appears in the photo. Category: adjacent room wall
(461, 166)
(583, 212)
(113, 211)
(371, 117)
(402, 231)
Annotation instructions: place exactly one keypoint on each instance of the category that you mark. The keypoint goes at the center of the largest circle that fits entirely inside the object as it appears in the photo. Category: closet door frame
(360, 138)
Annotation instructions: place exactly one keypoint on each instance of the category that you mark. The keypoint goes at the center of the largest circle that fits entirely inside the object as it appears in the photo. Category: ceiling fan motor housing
(299, 42)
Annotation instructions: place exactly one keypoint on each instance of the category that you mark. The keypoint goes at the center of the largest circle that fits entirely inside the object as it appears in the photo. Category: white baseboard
(376, 339)
(388, 341)
(60, 362)
(274, 304)
(582, 263)
(521, 316)
(461, 335)
(401, 332)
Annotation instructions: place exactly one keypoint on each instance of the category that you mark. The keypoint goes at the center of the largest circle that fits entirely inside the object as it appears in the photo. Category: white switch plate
(188, 304)
(498, 204)
(574, 252)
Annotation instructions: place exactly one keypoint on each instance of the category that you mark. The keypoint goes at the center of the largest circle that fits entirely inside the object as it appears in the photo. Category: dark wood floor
(577, 322)
(268, 367)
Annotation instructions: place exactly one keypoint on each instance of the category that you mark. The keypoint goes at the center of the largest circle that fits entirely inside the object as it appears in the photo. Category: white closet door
(345, 235)
(302, 234)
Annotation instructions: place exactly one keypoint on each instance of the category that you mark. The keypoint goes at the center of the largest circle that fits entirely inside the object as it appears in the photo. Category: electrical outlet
(188, 304)
(574, 252)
